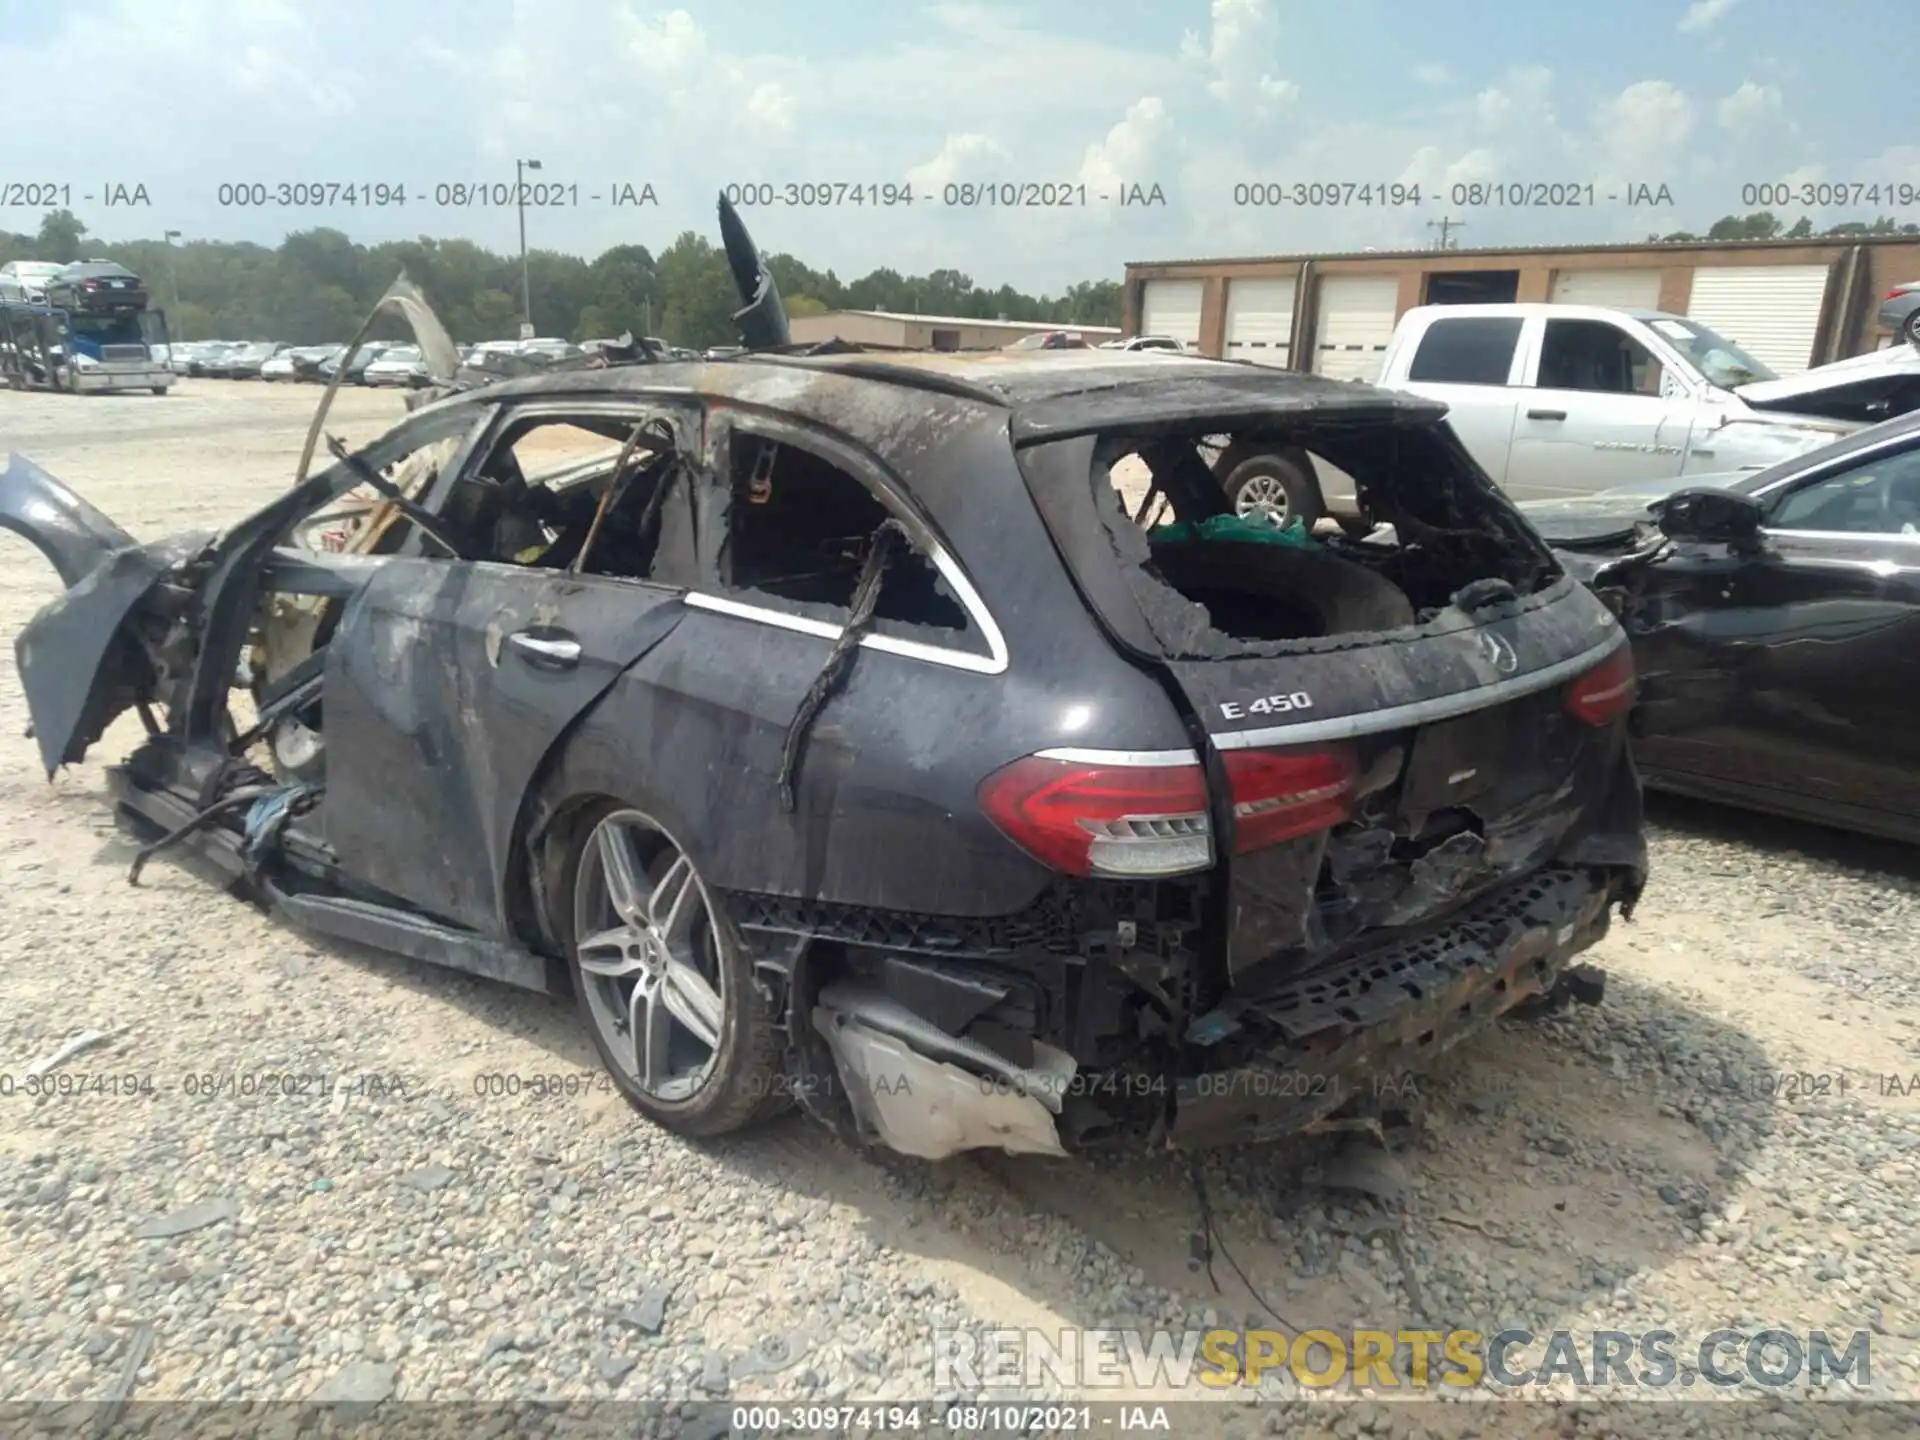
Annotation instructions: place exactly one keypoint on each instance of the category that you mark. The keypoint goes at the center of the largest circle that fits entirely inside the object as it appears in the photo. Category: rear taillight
(1094, 819)
(1283, 794)
(1605, 692)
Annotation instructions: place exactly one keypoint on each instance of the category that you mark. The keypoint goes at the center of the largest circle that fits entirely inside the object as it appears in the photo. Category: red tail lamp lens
(1605, 692)
(1283, 794)
(1092, 819)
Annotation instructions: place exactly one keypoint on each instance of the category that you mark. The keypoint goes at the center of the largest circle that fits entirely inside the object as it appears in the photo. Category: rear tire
(1910, 332)
(1276, 487)
(662, 979)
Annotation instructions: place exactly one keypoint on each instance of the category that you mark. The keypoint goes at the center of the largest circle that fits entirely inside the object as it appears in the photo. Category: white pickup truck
(1563, 400)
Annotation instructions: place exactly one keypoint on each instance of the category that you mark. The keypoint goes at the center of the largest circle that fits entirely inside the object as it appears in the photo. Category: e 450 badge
(1267, 705)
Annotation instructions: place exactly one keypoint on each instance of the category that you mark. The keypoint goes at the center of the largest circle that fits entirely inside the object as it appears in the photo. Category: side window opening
(1431, 530)
(535, 499)
(799, 533)
(1595, 356)
(1466, 350)
(1881, 497)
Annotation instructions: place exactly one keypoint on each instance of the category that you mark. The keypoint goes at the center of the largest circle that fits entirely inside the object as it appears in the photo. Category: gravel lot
(1650, 1162)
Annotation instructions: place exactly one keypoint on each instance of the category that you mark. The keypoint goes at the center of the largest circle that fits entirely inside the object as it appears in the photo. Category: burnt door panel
(447, 684)
(1795, 671)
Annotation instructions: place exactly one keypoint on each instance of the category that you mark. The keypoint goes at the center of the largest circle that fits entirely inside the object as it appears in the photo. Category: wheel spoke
(674, 904)
(693, 1001)
(621, 872)
(606, 953)
(647, 972)
(651, 1025)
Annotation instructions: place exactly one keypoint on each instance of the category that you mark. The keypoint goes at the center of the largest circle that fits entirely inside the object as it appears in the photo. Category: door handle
(551, 652)
(1546, 414)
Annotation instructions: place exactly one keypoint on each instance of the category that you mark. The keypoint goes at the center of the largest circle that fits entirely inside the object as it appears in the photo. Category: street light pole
(520, 167)
(173, 274)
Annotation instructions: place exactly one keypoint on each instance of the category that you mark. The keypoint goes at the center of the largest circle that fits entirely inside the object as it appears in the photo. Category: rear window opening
(1427, 531)
(799, 531)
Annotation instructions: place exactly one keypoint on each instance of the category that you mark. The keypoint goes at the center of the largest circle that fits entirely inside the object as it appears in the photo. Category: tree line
(317, 285)
(1765, 225)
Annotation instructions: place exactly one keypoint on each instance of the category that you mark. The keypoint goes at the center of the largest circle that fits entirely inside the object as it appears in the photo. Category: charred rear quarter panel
(885, 813)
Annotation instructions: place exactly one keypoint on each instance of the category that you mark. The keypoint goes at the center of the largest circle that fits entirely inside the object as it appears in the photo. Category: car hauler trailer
(44, 348)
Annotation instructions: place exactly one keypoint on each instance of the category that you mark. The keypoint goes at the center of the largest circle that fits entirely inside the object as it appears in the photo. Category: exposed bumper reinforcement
(1355, 1029)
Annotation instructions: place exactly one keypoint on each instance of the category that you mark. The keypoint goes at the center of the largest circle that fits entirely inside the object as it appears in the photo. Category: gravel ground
(1727, 1141)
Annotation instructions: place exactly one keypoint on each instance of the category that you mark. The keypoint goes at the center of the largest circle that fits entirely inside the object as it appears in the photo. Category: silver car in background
(1900, 312)
(26, 280)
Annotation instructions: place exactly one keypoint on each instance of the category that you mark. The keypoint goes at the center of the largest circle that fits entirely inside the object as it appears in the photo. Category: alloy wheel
(1263, 498)
(649, 953)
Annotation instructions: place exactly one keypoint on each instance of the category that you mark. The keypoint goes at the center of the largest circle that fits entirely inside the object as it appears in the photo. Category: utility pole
(520, 168)
(1446, 225)
(173, 274)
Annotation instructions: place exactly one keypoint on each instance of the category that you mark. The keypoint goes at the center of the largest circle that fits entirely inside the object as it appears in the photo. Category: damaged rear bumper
(1316, 1043)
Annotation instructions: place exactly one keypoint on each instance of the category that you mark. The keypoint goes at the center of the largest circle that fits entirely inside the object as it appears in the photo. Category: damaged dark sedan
(1775, 618)
(835, 730)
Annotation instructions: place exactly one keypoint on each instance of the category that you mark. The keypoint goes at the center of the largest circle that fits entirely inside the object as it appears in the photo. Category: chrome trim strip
(1138, 758)
(826, 630)
(994, 664)
(1858, 537)
(1421, 712)
(1882, 569)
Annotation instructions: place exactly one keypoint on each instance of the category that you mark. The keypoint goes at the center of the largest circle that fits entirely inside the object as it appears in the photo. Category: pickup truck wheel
(1276, 487)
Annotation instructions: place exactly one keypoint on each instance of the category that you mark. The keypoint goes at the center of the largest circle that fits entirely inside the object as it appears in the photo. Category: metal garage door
(1619, 289)
(1356, 321)
(1771, 311)
(1260, 320)
(1171, 308)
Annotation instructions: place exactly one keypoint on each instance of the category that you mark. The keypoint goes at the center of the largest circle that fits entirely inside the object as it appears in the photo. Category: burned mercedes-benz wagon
(916, 736)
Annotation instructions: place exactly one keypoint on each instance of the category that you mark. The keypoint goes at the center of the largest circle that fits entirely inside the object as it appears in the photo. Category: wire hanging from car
(233, 801)
(1210, 1241)
(887, 538)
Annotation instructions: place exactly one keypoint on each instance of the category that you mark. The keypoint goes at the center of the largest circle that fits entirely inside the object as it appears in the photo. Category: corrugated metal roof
(1832, 242)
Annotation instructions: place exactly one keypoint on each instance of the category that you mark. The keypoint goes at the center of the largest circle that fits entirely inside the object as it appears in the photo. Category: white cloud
(962, 157)
(1522, 100)
(1432, 74)
(1704, 14)
(1642, 132)
(672, 44)
(771, 106)
(1242, 38)
(1130, 149)
(1434, 173)
(1750, 108)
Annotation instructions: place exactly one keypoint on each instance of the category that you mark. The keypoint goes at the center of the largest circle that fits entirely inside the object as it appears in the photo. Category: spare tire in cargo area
(1259, 591)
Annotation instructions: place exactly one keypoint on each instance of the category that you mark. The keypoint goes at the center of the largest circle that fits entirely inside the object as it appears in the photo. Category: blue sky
(1195, 96)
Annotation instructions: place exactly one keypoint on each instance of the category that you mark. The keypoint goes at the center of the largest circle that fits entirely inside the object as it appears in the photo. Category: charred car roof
(1051, 394)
